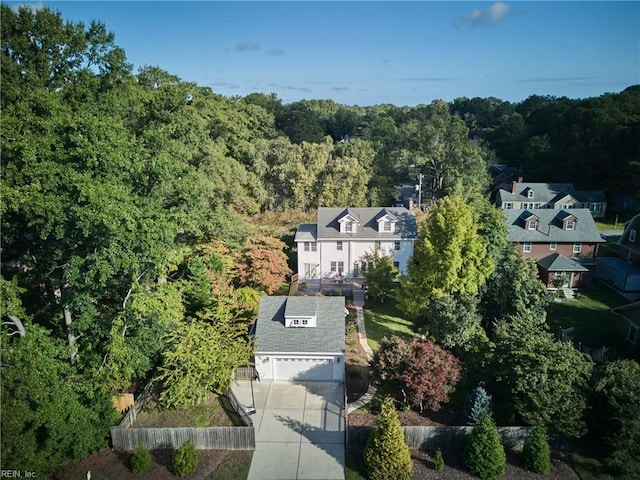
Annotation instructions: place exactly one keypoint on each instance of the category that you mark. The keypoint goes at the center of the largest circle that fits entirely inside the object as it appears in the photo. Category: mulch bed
(109, 464)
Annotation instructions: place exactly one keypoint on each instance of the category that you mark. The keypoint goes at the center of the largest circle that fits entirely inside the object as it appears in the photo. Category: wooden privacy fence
(210, 438)
(123, 437)
(444, 437)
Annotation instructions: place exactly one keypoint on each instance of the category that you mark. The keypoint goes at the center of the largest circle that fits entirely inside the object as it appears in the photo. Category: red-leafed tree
(264, 264)
(430, 376)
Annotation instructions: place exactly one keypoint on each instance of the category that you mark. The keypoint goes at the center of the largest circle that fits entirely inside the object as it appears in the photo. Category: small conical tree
(536, 454)
(386, 455)
(185, 461)
(141, 460)
(484, 455)
(477, 402)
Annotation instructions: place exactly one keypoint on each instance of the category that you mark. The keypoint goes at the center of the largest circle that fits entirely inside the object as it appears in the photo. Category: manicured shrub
(477, 402)
(185, 461)
(484, 455)
(141, 460)
(386, 455)
(536, 454)
(438, 461)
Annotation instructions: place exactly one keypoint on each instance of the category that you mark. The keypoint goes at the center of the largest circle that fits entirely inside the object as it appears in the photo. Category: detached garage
(300, 339)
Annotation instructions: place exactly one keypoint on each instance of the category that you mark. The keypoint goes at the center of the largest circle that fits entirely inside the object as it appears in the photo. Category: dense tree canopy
(130, 202)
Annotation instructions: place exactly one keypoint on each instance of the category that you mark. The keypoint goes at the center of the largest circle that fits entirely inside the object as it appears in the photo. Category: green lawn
(384, 321)
(590, 314)
(609, 222)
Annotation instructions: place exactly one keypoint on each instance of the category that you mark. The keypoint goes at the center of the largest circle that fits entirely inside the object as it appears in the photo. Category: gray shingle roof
(328, 335)
(542, 192)
(307, 232)
(556, 262)
(549, 192)
(329, 228)
(550, 226)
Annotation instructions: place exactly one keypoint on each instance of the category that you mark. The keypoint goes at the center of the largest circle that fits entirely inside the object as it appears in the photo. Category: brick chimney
(514, 185)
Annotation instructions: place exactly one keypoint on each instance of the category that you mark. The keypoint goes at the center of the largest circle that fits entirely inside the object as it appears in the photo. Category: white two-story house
(334, 247)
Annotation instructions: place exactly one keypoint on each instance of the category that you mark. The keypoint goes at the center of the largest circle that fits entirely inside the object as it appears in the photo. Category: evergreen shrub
(387, 455)
(185, 461)
(484, 455)
(141, 460)
(477, 402)
(536, 454)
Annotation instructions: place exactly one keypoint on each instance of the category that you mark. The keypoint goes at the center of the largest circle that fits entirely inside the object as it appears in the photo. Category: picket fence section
(443, 437)
(210, 438)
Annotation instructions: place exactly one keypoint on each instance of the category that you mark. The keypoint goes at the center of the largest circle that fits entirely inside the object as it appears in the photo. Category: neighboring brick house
(629, 242)
(558, 196)
(564, 243)
(333, 248)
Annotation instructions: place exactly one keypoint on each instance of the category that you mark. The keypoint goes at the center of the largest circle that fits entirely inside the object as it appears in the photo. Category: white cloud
(492, 16)
(247, 46)
(34, 7)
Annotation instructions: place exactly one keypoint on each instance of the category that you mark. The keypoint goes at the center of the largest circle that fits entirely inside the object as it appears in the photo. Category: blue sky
(367, 53)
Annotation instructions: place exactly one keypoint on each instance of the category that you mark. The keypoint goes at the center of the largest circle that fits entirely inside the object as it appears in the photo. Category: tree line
(127, 206)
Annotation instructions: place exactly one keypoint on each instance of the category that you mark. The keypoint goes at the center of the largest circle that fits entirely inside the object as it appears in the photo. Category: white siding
(300, 367)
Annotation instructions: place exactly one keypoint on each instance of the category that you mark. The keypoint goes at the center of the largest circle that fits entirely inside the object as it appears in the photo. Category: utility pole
(420, 175)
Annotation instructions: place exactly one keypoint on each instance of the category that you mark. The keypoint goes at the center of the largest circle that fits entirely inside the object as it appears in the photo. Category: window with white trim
(334, 266)
(508, 205)
(349, 227)
(305, 321)
(632, 235)
(310, 246)
(532, 224)
(570, 224)
(526, 247)
(338, 245)
(530, 193)
(396, 245)
(553, 245)
(386, 226)
(396, 265)
(577, 247)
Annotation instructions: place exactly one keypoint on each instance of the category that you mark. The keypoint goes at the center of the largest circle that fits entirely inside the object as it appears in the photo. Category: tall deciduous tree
(48, 415)
(546, 380)
(615, 415)
(202, 359)
(512, 288)
(380, 275)
(264, 264)
(449, 257)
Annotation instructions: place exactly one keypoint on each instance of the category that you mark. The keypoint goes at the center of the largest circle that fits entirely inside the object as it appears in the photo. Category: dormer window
(386, 221)
(350, 227)
(386, 226)
(632, 235)
(348, 222)
(530, 193)
(570, 224)
(532, 224)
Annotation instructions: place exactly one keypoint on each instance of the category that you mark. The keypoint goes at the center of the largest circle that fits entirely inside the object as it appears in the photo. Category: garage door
(304, 369)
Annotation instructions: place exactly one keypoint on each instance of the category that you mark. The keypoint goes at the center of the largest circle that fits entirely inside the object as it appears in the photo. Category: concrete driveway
(299, 429)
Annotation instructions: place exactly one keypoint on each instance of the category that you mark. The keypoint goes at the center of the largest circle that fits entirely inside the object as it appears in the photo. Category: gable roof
(556, 262)
(631, 312)
(328, 227)
(633, 224)
(543, 192)
(550, 226)
(327, 337)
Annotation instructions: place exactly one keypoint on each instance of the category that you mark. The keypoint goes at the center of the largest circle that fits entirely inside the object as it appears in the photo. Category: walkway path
(358, 301)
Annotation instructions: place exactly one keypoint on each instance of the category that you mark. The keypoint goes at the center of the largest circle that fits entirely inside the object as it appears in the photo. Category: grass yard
(384, 321)
(609, 222)
(208, 414)
(589, 314)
